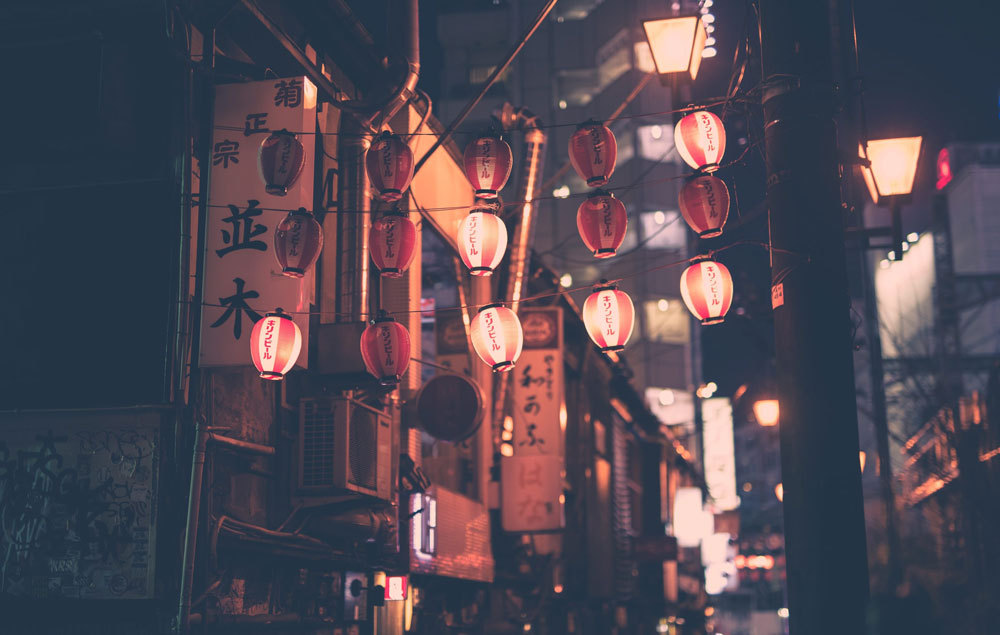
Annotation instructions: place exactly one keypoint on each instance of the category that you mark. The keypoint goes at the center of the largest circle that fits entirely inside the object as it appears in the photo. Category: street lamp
(676, 44)
(889, 174)
(766, 412)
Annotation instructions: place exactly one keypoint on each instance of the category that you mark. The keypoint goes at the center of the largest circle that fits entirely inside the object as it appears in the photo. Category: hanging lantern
(298, 239)
(609, 316)
(700, 139)
(602, 221)
(275, 343)
(497, 336)
(593, 151)
(482, 241)
(707, 289)
(488, 161)
(385, 348)
(280, 160)
(704, 203)
(389, 164)
(392, 243)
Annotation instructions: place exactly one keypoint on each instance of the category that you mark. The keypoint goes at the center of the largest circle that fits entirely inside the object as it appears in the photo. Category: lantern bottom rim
(293, 272)
(390, 195)
(710, 233)
(606, 252)
(708, 168)
(503, 367)
(392, 272)
(481, 271)
(612, 349)
(389, 380)
(714, 320)
(486, 193)
(276, 190)
(597, 181)
(272, 375)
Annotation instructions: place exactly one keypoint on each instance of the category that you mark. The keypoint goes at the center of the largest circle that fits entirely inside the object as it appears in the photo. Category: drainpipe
(191, 531)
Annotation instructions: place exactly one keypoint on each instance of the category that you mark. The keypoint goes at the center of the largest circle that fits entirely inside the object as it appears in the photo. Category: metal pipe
(240, 444)
(191, 531)
(408, 88)
(353, 228)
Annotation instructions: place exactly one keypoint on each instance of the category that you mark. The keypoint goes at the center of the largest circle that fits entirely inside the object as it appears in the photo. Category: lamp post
(889, 174)
(676, 44)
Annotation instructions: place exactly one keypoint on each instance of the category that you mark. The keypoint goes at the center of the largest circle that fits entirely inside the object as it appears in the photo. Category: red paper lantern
(392, 243)
(707, 289)
(602, 221)
(488, 161)
(482, 241)
(389, 164)
(704, 203)
(298, 239)
(280, 160)
(497, 336)
(700, 139)
(609, 317)
(275, 343)
(385, 348)
(593, 151)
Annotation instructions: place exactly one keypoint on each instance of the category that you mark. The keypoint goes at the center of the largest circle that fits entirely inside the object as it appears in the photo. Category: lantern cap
(590, 123)
(300, 212)
(494, 305)
(282, 133)
(604, 285)
(395, 211)
(486, 206)
(278, 312)
(382, 316)
(600, 192)
(700, 258)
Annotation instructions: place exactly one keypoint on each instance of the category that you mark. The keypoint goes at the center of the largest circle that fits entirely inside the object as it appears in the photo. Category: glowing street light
(889, 177)
(766, 411)
(676, 43)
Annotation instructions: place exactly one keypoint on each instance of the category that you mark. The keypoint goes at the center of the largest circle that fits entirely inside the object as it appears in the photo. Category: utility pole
(823, 508)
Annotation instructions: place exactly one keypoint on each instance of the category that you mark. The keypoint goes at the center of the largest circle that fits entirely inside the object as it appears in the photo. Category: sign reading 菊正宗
(720, 458)
(531, 480)
(242, 278)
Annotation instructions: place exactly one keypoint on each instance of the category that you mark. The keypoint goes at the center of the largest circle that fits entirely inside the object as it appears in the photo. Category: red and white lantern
(497, 336)
(593, 151)
(280, 160)
(704, 203)
(385, 348)
(298, 239)
(482, 241)
(602, 221)
(700, 139)
(275, 343)
(389, 164)
(488, 161)
(392, 244)
(609, 316)
(707, 289)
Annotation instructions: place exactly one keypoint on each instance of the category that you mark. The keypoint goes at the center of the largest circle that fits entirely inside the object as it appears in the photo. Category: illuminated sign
(944, 173)
(395, 587)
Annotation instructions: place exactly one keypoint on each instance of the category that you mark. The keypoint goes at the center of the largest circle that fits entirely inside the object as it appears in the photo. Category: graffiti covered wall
(77, 504)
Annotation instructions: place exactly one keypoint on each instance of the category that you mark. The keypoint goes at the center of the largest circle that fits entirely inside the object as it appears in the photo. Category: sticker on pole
(777, 295)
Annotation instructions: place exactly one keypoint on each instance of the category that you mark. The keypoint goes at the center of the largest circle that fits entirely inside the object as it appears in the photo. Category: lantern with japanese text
(280, 160)
(707, 289)
(602, 220)
(385, 348)
(700, 139)
(497, 336)
(609, 316)
(298, 239)
(593, 151)
(488, 161)
(392, 243)
(704, 203)
(389, 164)
(482, 240)
(275, 343)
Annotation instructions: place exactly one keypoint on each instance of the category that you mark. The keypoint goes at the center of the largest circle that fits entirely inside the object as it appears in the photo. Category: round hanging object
(488, 162)
(482, 241)
(392, 244)
(280, 160)
(602, 220)
(298, 239)
(497, 336)
(450, 407)
(707, 289)
(704, 203)
(593, 151)
(609, 316)
(389, 164)
(385, 348)
(700, 139)
(275, 343)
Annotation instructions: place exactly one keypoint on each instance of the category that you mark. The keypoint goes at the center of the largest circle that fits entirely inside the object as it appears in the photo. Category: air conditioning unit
(345, 447)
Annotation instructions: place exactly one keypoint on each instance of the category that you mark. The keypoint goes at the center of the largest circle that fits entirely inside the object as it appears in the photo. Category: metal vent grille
(363, 450)
(317, 444)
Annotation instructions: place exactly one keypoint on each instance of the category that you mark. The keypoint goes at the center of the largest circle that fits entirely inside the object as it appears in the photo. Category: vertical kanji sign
(532, 479)
(243, 280)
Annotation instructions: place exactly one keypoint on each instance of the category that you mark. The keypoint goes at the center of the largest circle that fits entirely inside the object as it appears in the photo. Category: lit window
(667, 322)
(663, 230)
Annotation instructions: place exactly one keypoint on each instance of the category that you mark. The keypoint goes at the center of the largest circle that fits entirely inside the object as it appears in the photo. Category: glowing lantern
(280, 160)
(707, 289)
(704, 203)
(392, 243)
(609, 317)
(861, 459)
(298, 239)
(593, 151)
(488, 161)
(893, 166)
(497, 336)
(766, 411)
(779, 492)
(389, 164)
(385, 348)
(275, 343)
(482, 241)
(700, 139)
(602, 221)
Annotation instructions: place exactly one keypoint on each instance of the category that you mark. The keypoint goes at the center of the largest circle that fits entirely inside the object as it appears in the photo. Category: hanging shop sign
(720, 457)
(450, 407)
